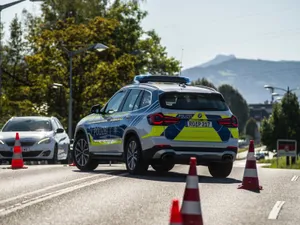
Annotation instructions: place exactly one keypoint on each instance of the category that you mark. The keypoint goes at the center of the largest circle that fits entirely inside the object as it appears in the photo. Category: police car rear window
(193, 101)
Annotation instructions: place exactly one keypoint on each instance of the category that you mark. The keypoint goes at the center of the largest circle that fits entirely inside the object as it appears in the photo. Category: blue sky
(267, 29)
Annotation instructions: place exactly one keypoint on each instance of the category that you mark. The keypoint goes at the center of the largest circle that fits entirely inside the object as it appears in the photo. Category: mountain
(217, 60)
(248, 75)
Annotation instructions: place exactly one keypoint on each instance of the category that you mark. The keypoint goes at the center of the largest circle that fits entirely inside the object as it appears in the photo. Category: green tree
(96, 77)
(251, 128)
(284, 123)
(14, 74)
(266, 130)
(236, 103)
(205, 82)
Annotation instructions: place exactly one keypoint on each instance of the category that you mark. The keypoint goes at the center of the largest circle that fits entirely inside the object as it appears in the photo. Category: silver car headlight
(45, 141)
(1, 142)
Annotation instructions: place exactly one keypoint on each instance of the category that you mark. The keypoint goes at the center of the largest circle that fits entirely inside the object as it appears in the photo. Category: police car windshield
(28, 125)
(193, 101)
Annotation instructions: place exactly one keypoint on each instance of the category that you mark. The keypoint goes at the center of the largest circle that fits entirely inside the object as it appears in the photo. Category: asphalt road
(61, 195)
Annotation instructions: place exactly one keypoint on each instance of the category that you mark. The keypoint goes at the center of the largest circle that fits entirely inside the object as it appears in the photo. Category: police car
(159, 121)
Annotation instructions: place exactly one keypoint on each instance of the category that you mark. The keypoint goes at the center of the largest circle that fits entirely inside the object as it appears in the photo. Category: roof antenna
(181, 61)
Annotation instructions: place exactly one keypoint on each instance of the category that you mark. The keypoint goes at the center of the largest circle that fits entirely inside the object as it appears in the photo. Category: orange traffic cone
(17, 159)
(250, 180)
(191, 206)
(175, 218)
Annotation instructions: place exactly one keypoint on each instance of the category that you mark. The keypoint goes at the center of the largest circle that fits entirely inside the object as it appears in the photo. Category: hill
(249, 76)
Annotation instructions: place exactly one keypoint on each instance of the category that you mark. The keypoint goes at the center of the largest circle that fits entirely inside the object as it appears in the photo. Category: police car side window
(115, 102)
(131, 100)
(146, 100)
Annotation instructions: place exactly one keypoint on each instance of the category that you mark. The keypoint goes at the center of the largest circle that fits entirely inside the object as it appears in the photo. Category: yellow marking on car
(156, 131)
(195, 134)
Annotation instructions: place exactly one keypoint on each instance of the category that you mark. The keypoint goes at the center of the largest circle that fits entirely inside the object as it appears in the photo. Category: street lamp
(1, 8)
(272, 88)
(98, 47)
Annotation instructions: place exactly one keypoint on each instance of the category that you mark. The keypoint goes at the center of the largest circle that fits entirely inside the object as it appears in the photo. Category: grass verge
(281, 163)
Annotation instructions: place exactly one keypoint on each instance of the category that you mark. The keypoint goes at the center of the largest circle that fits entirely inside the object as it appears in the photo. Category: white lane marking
(48, 188)
(275, 211)
(295, 178)
(41, 198)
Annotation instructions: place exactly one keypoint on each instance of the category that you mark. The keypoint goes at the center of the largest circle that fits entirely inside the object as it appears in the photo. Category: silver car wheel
(132, 155)
(81, 152)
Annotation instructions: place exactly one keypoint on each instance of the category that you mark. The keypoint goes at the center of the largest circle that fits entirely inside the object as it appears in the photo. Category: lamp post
(99, 47)
(1, 8)
(59, 86)
(287, 91)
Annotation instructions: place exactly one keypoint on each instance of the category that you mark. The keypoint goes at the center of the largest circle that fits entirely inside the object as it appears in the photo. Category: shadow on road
(165, 177)
(180, 177)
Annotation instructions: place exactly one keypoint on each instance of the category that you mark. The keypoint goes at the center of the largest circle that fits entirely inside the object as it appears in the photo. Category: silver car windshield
(28, 125)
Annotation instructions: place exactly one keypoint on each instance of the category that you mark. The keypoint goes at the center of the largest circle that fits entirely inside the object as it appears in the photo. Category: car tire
(163, 167)
(54, 159)
(135, 164)
(220, 170)
(82, 157)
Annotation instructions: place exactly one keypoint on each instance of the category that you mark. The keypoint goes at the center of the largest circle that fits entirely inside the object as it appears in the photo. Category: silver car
(42, 138)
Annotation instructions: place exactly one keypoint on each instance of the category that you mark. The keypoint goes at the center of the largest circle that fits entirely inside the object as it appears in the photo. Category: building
(260, 111)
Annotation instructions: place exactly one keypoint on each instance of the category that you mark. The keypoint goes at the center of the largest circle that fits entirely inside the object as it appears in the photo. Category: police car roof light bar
(159, 78)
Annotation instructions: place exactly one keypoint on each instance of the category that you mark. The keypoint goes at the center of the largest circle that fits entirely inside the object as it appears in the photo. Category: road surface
(61, 195)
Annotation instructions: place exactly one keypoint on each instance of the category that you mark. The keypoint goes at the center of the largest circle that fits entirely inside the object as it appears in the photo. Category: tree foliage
(236, 103)
(284, 123)
(251, 128)
(35, 56)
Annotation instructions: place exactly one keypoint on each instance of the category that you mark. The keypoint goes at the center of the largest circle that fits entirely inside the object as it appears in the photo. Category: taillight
(229, 122)
(160, 119)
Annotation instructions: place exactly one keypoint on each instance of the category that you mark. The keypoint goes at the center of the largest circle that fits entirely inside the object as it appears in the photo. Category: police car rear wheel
(134, 161)
(220, 170)
(81, 155)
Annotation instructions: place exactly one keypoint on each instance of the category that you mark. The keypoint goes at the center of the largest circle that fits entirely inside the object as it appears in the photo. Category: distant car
(159, 121)
(259, 155)
(42, 138)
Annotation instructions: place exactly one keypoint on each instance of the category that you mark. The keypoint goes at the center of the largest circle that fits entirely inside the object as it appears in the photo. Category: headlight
(1, 142)
(44, 141)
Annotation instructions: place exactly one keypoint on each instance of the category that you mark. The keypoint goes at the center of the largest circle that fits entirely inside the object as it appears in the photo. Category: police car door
(121, 119)
(110, 109)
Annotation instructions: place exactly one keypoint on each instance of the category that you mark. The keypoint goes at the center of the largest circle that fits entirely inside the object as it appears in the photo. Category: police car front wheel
(81, 154)
(134, 161)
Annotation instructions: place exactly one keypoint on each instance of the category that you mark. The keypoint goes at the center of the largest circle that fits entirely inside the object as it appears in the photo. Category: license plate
(199, 124)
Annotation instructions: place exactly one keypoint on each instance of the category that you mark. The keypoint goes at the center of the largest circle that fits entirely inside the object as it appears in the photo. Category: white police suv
(159, 121)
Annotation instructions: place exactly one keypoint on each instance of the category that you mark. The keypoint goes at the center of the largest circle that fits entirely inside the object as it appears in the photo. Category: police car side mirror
(96, 108)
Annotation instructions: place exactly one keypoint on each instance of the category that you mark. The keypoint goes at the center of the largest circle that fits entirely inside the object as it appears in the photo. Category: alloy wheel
(132, 155)
(81, 152)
